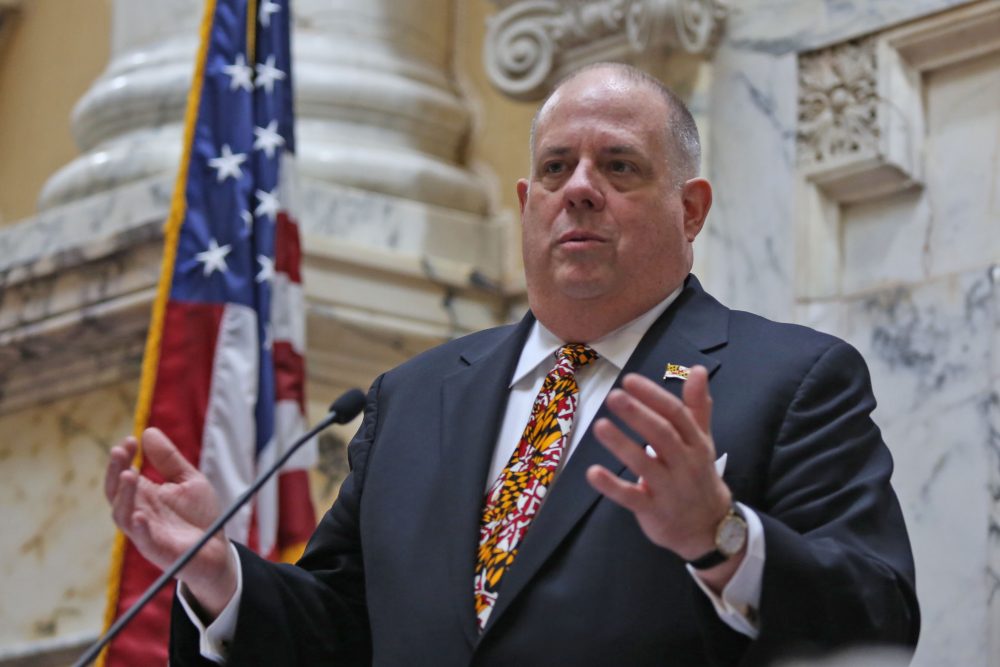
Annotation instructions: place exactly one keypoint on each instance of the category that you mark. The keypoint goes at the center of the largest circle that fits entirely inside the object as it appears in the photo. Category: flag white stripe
(227, 448)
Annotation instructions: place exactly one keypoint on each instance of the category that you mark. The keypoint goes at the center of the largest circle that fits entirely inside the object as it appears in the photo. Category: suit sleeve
(310, 613)
(839, 569)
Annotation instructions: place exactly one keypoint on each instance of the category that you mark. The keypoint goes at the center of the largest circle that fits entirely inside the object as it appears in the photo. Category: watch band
(725, 548)
(709, 560)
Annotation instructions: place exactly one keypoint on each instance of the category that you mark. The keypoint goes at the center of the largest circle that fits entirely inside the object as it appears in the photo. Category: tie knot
(577, 354)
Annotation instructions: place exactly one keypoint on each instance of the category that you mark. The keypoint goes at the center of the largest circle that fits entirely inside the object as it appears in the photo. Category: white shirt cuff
(216, 637)
(737, 607)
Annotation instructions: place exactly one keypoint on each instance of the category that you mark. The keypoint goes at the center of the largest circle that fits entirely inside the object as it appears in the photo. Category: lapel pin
(676, 371)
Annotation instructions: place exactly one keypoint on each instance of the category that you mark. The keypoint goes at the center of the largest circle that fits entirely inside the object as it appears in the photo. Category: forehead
(601, 104)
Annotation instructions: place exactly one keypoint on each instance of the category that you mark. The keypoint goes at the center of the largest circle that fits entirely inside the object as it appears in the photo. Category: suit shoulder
(750, 329)
(451, 353)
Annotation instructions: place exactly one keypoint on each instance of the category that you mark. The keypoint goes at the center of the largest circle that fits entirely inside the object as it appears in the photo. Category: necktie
(514, 498)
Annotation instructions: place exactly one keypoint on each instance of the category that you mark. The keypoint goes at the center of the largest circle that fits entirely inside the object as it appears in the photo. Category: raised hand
(679, 497)
(163, 519)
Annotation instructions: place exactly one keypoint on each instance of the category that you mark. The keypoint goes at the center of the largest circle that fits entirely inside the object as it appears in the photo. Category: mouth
(579, 238)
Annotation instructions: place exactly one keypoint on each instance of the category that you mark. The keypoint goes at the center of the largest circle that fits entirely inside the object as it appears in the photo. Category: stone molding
(530, 44)
(861, 125)
(77, 285)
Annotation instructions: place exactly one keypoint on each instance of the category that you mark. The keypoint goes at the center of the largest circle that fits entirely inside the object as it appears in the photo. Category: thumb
(697, 399)
(163, 455)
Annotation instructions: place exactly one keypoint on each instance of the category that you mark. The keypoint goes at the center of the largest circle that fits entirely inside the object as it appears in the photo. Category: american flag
(224, 374)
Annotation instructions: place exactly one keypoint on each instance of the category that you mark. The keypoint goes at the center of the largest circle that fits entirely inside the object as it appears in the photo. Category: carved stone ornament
(838, 102)
(532, 43)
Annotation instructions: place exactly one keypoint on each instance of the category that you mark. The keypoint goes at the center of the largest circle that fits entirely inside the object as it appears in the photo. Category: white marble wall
(916, 289)
(53, 553)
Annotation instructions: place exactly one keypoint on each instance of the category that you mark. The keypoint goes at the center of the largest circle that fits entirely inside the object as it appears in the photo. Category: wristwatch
(730, 536)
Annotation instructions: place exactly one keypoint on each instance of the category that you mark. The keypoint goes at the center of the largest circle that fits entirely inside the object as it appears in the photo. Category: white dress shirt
(740, 598)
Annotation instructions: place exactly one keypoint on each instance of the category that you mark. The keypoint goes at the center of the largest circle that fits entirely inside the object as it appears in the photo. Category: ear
(696, 196)
(522, 192)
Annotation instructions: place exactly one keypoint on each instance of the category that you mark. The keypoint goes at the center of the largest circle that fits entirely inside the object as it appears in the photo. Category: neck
(588, 320)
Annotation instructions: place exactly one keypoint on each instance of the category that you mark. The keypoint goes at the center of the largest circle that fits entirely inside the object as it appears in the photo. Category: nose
(582, 190)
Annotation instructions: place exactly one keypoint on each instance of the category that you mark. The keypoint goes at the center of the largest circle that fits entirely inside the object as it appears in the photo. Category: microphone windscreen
(348, 405)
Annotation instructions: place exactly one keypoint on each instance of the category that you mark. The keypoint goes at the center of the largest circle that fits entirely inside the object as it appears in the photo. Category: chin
(582, 290)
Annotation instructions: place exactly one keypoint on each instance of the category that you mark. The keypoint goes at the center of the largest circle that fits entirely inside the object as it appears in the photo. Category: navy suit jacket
(387, 577)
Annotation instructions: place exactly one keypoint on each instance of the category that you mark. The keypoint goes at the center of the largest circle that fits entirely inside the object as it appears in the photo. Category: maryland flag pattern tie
(514, 498)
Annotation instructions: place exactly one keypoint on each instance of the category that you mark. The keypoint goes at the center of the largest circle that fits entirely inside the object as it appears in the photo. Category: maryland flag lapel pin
(676, 371)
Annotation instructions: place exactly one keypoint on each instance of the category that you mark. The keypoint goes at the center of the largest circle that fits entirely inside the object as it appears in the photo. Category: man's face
(603, 217)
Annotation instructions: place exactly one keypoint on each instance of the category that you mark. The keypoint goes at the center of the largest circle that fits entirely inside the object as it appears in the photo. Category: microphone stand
(343, 410)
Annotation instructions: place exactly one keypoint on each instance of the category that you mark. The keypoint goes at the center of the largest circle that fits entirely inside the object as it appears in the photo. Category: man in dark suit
(718, 492)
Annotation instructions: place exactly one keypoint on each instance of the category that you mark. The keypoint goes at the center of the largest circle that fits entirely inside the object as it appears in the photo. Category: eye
(620, 167)
(553, 167)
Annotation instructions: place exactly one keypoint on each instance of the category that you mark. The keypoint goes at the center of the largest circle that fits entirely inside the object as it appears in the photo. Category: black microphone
(343, 410)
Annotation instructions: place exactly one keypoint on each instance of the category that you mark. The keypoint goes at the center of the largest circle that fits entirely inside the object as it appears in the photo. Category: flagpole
(151, 354)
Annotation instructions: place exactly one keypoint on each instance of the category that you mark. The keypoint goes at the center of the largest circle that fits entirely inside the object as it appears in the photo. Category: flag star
(266, 9)
(267, 74)
(240, 74)
(266, 269)
(267, 138)
(214, 259)
(247, 218)
(268, 205)
(227, 164)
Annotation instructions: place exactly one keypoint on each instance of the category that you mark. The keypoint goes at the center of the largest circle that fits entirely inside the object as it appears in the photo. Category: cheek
(532, 243)
(655, 249)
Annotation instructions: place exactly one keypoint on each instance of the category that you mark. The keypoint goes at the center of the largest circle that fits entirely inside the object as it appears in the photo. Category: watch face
(732, 534)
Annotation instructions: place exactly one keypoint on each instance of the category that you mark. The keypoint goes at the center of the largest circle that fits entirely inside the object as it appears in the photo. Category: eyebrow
(618, 149)
(550, 151)
(622, 149)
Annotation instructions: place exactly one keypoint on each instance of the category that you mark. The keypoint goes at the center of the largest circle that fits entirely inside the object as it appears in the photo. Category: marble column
(400, 251)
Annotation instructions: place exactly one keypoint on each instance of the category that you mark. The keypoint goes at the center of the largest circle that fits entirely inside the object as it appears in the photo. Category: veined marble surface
(930, 349)
(785, 26)
(56, 529)
(747, 244)
(91, 228)
(917, 289)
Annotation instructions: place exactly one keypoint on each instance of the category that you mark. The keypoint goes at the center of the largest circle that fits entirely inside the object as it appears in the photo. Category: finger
(698, 399)
(163, 455)
(121, 457)
(669, 407)
(123, 504)
(627, 450)
(653, 427)
(630, 496)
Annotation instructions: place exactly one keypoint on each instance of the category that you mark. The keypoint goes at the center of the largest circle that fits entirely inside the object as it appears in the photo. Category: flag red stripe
(180, 399)
(298, 518)
(288, 248)
(184, 377)
(148, 633)
(289, 374)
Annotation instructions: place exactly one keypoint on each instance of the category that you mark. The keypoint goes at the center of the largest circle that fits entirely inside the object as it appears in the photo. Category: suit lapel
(693, 324)
(473, 402)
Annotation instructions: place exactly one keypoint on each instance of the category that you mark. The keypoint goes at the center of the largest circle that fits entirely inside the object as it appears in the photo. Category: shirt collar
(616, 347)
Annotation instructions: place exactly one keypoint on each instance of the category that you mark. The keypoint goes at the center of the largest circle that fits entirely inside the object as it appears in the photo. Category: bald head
(681, 131)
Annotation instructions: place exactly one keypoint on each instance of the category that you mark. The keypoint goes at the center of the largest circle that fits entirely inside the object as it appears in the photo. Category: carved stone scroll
(532, 43)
